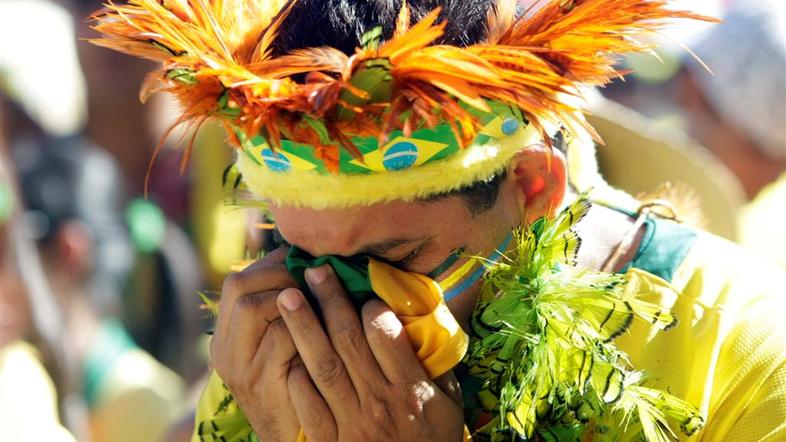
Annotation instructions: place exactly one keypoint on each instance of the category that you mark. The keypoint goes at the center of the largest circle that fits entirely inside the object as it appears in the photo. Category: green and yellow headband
(427, 162)
(402, 118)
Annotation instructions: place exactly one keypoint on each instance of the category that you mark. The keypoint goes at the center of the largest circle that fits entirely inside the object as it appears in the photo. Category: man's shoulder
(729, 348)
(687, 257)
(722, 267)
(663, 247)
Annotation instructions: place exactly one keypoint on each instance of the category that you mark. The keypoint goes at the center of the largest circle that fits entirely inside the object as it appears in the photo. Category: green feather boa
(543, 348)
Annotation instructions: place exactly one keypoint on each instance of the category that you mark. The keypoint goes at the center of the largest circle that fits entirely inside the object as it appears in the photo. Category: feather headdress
(217, 57)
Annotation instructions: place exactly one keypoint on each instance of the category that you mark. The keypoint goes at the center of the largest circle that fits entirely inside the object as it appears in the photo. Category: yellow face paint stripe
(456, 283)
(458, 275)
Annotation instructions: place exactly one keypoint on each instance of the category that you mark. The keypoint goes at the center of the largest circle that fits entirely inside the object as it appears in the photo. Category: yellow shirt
(727, 355)
(761, 222)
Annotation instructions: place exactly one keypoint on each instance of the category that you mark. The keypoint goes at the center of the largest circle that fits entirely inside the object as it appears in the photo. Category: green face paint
(446, 264)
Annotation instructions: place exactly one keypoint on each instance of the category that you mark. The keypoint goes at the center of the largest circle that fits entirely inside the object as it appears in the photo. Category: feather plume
(222, 48)
(544, 351)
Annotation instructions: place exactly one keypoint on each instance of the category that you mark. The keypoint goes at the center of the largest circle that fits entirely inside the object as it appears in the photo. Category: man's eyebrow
(375, 249)
(382, 247)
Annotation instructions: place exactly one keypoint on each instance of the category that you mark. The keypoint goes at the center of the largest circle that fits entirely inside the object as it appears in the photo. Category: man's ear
(541, 178)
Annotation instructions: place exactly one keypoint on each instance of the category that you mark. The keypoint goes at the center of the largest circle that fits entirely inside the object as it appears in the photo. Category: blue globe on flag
(401, 155)
(509, 126)
(276, 161)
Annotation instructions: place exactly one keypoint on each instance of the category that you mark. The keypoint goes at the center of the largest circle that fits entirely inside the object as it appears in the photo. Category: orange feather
(224, 46)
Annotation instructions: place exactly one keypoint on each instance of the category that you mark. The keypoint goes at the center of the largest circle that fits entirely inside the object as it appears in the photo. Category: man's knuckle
(347, 339)
(413, 396)
(240, 384)
(254, 300)
(234, 284)
(278, 331)
(270, 424)
(378, 410)
(221, 367)
(233, 383)
(328, 371)
(314, 419)
(306, 326)
(327, 295)
(331, 283)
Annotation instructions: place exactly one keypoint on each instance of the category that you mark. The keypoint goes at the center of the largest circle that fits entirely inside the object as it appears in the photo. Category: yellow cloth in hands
(417, 301)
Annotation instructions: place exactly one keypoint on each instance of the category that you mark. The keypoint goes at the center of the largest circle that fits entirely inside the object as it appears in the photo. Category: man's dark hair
(481, 196)
(342, 23)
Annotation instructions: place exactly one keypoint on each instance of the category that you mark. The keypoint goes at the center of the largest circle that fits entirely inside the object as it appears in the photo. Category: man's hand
(368, 384)
(252, 350)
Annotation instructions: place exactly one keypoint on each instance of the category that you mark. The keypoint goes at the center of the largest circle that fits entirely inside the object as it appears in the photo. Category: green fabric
(352, 272)
(663, 248)
(110, 343)
(470, 387)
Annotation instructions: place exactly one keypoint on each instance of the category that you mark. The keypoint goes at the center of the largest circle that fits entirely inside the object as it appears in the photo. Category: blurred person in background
(739, 113)
(75, 213)
(160, 306)
(130, 131)
(73, 199)
(667, 165)
(28, 399)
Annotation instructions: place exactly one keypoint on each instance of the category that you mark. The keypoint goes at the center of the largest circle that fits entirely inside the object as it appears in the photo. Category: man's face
(414, 236)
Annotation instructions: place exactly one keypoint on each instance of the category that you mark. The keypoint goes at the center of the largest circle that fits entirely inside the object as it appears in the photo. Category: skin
(358, 378)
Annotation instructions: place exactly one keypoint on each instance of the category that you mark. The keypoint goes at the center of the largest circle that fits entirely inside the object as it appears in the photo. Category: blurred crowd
(102, 337)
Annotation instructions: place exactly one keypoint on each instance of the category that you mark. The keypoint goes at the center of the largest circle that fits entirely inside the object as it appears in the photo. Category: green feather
(543, 346)
(182, 75)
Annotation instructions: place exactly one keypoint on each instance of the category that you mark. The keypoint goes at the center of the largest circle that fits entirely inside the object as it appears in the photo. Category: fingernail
(316, 275)
(290, 299)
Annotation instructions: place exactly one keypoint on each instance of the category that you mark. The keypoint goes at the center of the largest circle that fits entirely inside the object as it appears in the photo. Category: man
(414, 157)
